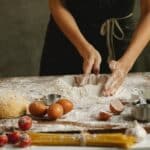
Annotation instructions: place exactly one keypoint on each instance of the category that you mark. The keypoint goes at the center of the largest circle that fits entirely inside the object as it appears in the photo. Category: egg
(66, 104)
(104, 116)
(38, 108)
(55, 111)
(116, 107)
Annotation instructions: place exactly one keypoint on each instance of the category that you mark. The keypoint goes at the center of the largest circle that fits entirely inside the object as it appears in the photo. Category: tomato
(14, 137)
(25, 140)
(3, 139)
(25, 123)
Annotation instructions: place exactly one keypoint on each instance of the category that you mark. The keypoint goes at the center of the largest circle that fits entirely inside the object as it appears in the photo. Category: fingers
(113, 88)
(88, 65)
(84, 80)
(115, 80)
(119, 73)
(111, 80)
(113, 83)
(96, 66)
(106, 90)
(81, 80)
(92, 64)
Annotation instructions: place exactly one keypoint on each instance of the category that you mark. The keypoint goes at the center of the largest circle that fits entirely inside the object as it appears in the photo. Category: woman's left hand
(119, 72)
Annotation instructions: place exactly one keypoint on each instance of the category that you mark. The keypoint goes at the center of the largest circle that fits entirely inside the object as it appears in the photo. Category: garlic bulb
(137, 131)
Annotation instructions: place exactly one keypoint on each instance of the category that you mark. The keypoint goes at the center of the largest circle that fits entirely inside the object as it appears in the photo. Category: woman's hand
(91, 64)
(68, 25)
(91, 60)
(138, 42)
(119, 71)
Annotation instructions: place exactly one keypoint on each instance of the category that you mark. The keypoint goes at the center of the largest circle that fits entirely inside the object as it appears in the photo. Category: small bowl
(141, 112)
(49, 99)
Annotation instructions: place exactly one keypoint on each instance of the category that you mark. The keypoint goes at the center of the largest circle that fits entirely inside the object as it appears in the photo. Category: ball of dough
(12, 105)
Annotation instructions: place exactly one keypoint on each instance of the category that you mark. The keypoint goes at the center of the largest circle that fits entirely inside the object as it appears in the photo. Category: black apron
(60, 56)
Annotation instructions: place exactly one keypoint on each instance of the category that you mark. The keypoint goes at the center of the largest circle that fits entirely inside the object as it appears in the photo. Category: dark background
(22, 29)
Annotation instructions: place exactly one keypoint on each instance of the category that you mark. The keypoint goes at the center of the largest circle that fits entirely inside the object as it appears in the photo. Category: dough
(12, 104)
(82, 80)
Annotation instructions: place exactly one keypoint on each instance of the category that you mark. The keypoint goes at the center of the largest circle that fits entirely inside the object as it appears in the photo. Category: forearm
(140, 39)
(138, 42)
(68, 25)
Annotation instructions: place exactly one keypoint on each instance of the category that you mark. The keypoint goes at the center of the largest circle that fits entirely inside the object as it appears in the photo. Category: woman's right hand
(91, 60)
(91, 64)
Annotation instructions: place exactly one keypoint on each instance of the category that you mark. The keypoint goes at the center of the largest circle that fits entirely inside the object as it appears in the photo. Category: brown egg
(38, 108)
(55, 111)
(66, 104)
(116, 107)
(104, 115)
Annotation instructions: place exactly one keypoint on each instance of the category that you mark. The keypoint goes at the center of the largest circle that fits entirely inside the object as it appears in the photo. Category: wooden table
(36, 85)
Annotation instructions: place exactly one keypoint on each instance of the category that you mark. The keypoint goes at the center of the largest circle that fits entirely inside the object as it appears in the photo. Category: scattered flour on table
(88, 101)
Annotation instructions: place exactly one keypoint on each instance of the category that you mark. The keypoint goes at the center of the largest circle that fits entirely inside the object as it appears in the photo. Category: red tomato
(25, 123)
(25, 140)
(3, 139)
(14, 137)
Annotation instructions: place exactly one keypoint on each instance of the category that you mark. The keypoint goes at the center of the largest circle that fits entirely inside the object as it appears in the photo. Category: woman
(84, 35)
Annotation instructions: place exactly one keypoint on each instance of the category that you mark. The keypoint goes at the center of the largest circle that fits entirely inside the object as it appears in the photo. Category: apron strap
(108, 29)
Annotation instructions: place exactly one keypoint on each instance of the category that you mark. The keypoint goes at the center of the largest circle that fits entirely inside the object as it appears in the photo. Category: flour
(87, 100)
(55, 128)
